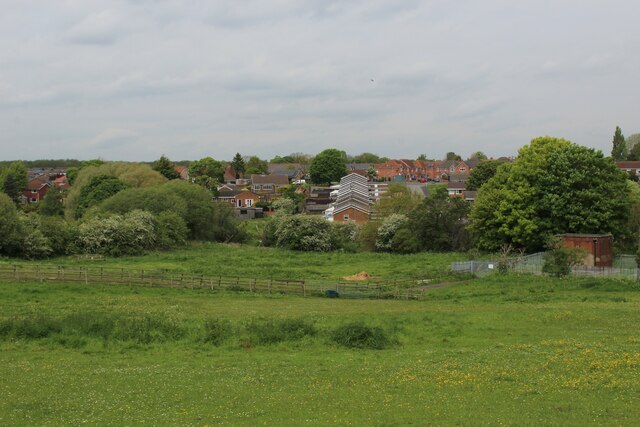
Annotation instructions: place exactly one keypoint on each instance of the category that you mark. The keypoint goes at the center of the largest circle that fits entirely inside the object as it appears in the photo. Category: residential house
(61, 182)
(246, 199)
(36, 189)
(183, 171)
(456, 188)
(230, 174)
(630, 166)
(353, 202)
(293, 171)
(266, 186)
(318, 199)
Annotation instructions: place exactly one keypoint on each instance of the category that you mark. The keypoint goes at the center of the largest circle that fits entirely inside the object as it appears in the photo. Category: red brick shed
(599, 247)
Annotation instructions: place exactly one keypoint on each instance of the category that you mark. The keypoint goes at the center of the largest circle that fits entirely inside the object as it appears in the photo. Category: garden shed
(599, 247)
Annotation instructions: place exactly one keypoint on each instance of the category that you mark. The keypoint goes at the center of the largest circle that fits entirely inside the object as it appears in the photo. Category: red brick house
(246, 199)
(36, 190)
(183, 171)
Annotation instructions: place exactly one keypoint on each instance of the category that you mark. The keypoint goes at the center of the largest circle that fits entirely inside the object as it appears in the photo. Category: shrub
(33, 244)
(303, 233)
(117, 235)
(59, 233)
(270, 331)
(226, 227)
(33, 327)
(171, 230)
(405, 241)
(216, 331)
(388, 230)
(559, 261)
(359, 335)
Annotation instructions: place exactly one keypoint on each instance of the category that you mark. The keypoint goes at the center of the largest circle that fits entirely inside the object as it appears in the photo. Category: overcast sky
(131, 80)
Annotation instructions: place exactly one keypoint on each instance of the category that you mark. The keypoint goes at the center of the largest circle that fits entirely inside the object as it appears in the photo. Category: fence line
(171, 279)
(533, 263)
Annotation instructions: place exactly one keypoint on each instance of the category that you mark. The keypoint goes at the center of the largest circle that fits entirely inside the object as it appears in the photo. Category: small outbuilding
(599, 247)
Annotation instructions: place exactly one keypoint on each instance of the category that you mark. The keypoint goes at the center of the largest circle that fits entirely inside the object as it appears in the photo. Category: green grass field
(230, 260)
(508, 350)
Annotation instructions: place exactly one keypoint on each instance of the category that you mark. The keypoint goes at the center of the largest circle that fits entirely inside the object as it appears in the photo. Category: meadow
(510, 349)
(231, 260)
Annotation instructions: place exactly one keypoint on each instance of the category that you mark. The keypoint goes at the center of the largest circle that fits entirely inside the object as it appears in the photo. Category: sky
(132, 80)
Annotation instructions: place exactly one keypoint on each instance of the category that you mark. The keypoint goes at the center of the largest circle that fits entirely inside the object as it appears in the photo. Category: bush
(405, 242)
(270, 331)
(388, 230)
(29, 327)
(33, 244)
(59, 233)
(118, 235)
(303, 233)
(226, 227)
(559, 261)
(359, 335)
(216, 331)
(171, 230)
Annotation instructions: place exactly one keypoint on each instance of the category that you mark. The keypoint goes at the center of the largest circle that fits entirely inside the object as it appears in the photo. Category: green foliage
(482, 173)
(207, 172)
(59, 233)
(405, 242)
(422, 157)
(272, 331)
(633, 146)
(397, 200)
(132, 174)
(284, 205)
(619, 149)
(171, 230)
(368, 158)
(552, 187)
(328, 166)
(439, 222)
(452, 156)
(217, 331)
(165, 167)
(13, 180)
(51, 204)
(117, 235)
(478, 155)
(559, 260)
(9, 225)
(387, 231)
(33, 244)
(308, 233)
(238, 165)
(98, 189)
(361, 336)
(255, 165)
(225, 225)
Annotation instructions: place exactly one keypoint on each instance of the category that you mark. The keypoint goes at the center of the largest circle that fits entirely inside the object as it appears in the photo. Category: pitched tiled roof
(277, 179)
(630, 164)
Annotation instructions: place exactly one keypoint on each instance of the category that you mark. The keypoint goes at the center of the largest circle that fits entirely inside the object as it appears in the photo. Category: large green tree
(482, 173)
(255, 165)
(9, 225)
(619, 149)
(165, 167)
(207, 172)
(14, 180)
(99, 188)
(633, 146)
(328, 166)
(238, 165)
(438, 223)
(553, 186)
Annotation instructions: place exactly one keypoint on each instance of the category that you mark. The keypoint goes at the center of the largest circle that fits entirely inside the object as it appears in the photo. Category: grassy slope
(248, 261)
(509, 350)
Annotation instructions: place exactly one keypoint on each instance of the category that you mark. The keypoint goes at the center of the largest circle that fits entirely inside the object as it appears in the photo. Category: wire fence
(623, 267)
(401, 289)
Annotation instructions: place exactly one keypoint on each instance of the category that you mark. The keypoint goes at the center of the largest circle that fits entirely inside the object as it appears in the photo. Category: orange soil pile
(363, 275)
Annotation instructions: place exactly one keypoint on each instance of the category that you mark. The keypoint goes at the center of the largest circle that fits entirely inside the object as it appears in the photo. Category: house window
(34, 191)
(249, 203)
(34, 200)
(243, 211)
(463, 170)
(267, 187)
(239, 202)
(345, 217)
